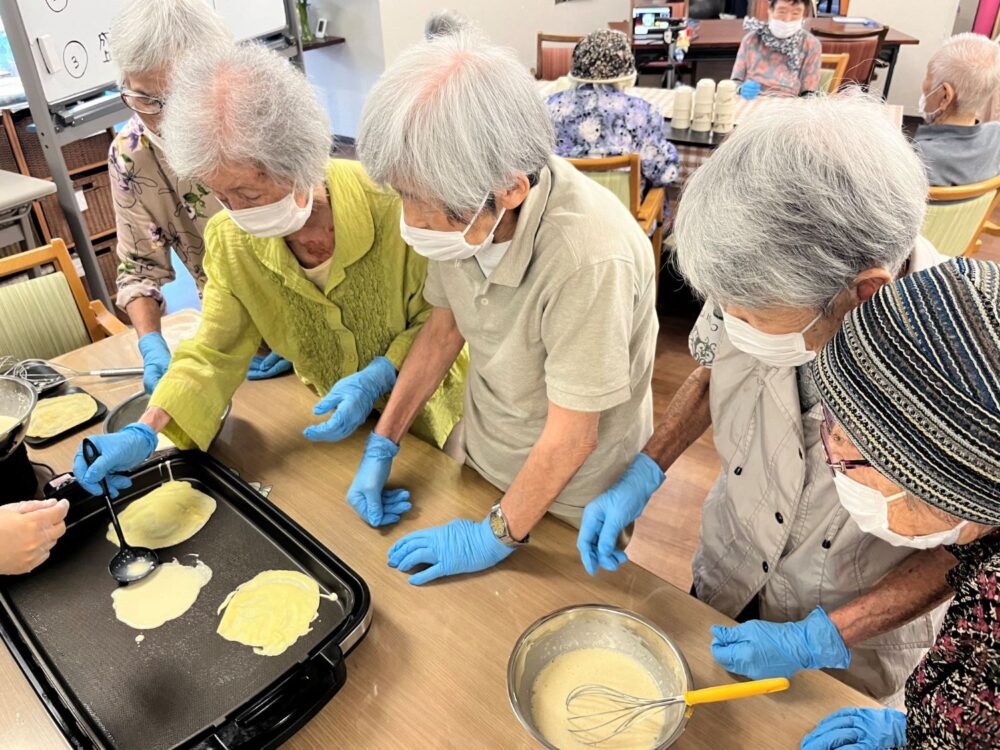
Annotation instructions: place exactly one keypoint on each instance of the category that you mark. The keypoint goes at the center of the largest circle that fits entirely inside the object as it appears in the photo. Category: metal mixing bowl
(17, 399)
(597, 626)
(132, 408)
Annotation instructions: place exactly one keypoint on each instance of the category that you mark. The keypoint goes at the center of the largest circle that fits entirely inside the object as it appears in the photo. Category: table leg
(893, 53)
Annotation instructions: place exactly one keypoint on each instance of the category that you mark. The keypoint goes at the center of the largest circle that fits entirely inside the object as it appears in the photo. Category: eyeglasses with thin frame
(144, 104)
(844, 465)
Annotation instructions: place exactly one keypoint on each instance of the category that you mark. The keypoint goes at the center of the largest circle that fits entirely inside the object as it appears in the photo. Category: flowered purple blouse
(596, 120)
(155, 211)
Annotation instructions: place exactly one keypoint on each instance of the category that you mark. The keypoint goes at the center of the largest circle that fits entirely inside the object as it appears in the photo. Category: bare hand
(28, 532)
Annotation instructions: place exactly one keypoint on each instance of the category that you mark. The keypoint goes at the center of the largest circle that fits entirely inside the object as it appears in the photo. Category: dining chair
(862, 48)
(956, 216)
(554, 57)
(622, 175)
(51, 314)
(831, 72)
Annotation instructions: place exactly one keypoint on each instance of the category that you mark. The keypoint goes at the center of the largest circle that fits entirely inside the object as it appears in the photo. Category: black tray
(65, 391)
(184, 685)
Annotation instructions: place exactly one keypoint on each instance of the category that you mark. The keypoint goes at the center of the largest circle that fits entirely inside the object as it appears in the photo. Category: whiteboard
(69, 38)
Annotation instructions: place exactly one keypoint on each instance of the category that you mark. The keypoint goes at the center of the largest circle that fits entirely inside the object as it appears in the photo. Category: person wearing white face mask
(784, 231)
(780, 54)
(306, 255)
(962, 78)
(913, 437)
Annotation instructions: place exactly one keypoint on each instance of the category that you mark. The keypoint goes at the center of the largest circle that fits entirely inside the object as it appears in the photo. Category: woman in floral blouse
(913, 438)
(780, 55)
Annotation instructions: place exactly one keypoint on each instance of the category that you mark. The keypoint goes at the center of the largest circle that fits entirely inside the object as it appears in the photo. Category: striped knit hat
(913, 377)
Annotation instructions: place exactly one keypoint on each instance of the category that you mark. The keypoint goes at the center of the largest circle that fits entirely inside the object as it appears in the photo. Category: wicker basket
(83, 153)
(100, 213)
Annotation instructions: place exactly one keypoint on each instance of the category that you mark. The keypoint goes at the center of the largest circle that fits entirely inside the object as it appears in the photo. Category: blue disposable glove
(155, 360)
(758, 649)
(606, 515)
(367, 493)
(858, 728)
(262, 368)
(120, 451)
(353, 398)
(457, 547)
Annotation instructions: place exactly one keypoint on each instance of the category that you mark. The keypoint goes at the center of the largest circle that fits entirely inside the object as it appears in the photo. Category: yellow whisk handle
(735, 690)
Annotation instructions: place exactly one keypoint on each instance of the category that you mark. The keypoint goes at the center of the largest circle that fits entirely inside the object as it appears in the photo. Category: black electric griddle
(183, 685)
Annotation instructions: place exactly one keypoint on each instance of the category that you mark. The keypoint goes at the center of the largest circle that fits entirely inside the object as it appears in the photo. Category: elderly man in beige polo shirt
(543, 273)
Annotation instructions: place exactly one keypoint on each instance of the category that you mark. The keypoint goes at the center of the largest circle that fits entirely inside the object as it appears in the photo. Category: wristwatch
(500, 529)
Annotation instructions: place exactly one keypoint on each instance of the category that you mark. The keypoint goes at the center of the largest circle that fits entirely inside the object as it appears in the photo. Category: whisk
(598, 713)
(31, 371)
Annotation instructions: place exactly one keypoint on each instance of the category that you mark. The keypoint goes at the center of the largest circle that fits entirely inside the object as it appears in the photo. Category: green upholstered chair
(831, 72)
(956, 215)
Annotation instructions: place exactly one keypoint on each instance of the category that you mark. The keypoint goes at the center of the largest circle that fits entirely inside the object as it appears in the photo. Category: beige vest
(772, 524)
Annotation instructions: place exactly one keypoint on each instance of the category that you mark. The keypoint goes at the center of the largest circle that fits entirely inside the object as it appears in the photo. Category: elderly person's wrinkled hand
(759, 649)
(155, 360)
(460, 546)
(367, 493)
(268, 366)
(353, 397)
(120, 451)
(859, 729)
(28, 532)
(606, 515)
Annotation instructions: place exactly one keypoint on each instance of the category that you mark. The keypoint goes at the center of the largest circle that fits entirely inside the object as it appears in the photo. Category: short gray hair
(799, 200)
(443, 23)
(246, 105)
(971, 64)
(150, 35)
(453, 120)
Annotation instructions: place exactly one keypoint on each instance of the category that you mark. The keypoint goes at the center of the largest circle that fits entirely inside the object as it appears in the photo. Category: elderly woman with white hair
(306, 254)
(962, 78)
(784, 231)
(543, 272)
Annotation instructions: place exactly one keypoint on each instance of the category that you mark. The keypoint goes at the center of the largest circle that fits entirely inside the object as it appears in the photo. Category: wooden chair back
(862, 50)
(832, 69)
(554, 57)
(957, 215)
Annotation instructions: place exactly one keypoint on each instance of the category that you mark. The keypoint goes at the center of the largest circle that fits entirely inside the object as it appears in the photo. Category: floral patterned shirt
(774, 71)
(953, 696)
(596, 120)
(155, 211)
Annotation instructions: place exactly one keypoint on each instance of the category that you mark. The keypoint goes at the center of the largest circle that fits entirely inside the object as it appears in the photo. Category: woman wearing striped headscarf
(911, 386)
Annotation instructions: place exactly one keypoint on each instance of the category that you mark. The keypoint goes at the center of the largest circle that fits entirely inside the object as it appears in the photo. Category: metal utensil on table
(28, 369)
(598, 713)
(131, 563)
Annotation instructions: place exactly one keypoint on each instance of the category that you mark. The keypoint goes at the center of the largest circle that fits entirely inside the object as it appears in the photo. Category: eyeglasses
(144, 104)
(844, 465)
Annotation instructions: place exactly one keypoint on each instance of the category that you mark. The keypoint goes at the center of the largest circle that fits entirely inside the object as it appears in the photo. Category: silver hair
(453, 120)
(798, 201)
(445, 22)
(149, 35)
(971, 64)
(234, 107)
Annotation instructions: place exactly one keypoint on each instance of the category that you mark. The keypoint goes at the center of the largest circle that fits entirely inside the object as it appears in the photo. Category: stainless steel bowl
(597, 626)
(17, 400)
(132, 408)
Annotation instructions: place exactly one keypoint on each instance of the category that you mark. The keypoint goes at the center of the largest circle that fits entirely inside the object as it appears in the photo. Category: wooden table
(432, 671)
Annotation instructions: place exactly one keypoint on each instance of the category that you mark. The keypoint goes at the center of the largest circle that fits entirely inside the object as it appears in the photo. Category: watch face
(497, 526)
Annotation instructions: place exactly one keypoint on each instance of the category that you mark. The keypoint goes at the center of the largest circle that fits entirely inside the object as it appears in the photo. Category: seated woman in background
(962, 78)
(912, 434)
(306, 253)
(780, 55)
(597, 118)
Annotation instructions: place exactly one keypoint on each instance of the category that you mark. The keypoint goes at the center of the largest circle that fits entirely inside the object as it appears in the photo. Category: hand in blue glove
(606, 515)
(367, 493)
(120, 451)
(457, 547)
(262, 368)
(758, 649)
(155, 359)
(353, 398)
(858, 728)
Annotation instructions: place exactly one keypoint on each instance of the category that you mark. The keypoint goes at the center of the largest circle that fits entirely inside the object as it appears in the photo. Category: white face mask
(870, 510)
(774, 349)
(443, 246)
(784, 29)
(929, 117)
(278, 219)
(155, 139)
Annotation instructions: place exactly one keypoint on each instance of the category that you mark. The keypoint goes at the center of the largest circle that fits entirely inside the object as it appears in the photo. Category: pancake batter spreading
(169, 515)
(165, 594)
(271, 611)
(569, 671)
(60, 413)
(7, 423)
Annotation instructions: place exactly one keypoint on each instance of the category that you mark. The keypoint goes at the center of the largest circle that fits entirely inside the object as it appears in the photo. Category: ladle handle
(91, 454)
(735, 690)
(119, 372)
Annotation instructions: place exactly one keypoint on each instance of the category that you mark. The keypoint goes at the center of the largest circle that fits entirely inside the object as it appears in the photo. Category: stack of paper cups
(725, 107)
(704, 96)
(683, 98)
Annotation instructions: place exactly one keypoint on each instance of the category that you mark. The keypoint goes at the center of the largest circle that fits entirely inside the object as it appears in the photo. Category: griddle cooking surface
(183, 677)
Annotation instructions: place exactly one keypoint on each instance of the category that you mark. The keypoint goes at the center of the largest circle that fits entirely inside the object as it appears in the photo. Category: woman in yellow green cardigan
(314, 266)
